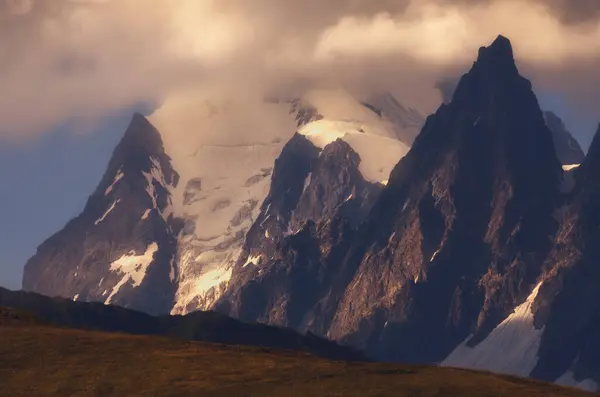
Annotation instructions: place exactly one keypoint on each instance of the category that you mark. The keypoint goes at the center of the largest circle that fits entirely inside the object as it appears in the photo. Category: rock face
(290, 256)
(121, 248)
(455, 241)
(568, 150)
(568, 305)
(553, 334)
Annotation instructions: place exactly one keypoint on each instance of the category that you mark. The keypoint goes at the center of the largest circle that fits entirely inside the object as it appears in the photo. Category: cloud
(66, 60)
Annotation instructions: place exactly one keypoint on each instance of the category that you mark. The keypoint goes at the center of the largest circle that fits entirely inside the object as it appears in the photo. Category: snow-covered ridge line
(378, 153)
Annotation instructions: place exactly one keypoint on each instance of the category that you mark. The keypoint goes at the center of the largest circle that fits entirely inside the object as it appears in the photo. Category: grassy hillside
(198, 326)
(41, 360)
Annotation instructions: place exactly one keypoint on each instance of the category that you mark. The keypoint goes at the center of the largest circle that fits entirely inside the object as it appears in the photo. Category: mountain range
(465, 239)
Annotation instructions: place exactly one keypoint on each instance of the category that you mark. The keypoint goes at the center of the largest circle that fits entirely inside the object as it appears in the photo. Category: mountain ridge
(453, 248)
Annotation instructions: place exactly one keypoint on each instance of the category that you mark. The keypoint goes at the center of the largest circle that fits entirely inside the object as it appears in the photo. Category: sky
(71, 72)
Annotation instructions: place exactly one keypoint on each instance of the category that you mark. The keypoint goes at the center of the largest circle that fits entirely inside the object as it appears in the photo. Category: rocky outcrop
(121, 248)
(567, 148)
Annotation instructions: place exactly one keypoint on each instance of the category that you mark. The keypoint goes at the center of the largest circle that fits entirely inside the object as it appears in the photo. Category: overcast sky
(70, 71)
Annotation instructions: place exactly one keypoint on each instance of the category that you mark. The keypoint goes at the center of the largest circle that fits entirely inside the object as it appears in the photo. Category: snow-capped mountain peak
(224, 153)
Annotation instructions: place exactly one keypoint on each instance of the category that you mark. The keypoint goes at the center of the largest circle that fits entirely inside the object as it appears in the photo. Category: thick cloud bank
(77, 60)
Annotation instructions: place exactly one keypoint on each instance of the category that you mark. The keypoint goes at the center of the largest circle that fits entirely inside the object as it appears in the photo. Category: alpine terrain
(467, 239)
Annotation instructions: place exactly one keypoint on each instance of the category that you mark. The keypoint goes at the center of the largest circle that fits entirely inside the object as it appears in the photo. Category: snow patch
(107, 212)
(405, 205)
(569, 167)
(568, 379)
(568, 180)
(253, 260)
(172, 270)
(306, 182)
(156, 174)
(204, 286)
(511, 348)
(435, 254)
(118, 177)
(133, 268)
(378, 153)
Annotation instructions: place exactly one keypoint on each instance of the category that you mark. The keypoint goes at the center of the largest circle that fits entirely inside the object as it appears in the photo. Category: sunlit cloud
(82, 59)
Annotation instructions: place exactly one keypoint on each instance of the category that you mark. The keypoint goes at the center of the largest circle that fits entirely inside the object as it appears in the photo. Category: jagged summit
(500, 53)
(141, 134)
(122, 244)
(464, 220)
(501, 43)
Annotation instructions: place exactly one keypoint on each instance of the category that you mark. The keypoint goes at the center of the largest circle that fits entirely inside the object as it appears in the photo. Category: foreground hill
(41, 360)
(30, 308)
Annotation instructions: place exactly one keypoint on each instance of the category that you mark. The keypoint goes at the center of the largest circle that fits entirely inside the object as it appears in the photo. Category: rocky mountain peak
(120, 248)
(464, 219)
(500, 53)
(141, 144)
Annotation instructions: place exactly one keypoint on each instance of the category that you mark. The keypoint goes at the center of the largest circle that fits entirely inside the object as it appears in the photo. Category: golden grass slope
(40, 360)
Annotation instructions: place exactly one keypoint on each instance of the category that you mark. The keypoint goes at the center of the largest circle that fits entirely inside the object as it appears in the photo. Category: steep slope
(553, 335)
(568, 303)
(456, 239)
(225, 170)
(121, 248)
(315, 196)
(47, 361)
(407, 122)
(568, 149)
